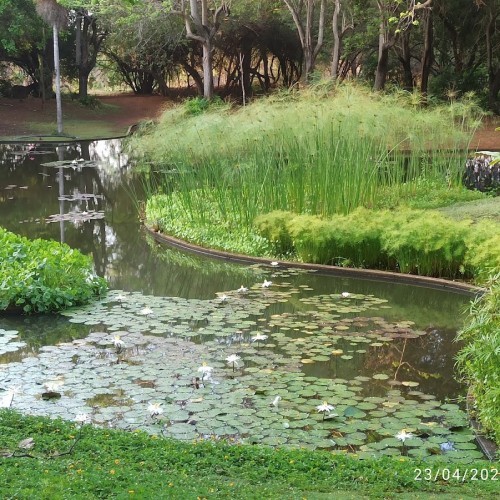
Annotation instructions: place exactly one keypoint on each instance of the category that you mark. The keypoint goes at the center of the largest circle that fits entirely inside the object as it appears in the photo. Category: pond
(197, 348)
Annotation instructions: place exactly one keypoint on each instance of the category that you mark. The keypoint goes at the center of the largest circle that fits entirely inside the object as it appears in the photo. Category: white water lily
(206, 371)
(53, 385)
(233, 360)
(119, 344)
(403, 435)
(223, 298)
(274, 263)
(155, 409)
(146, 311)
(82, 418)
(266, 284)
(276, 401)
(325, 408)
(120, 297)
(242, 289)
(345, 294)
(258, 337)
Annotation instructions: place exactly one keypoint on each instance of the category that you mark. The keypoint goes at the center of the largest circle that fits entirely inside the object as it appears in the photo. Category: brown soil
(128, 109)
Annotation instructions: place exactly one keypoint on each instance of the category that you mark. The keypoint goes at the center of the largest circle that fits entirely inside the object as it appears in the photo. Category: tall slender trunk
(58, 79)
(336, 41)
(208, 76)
(427, 55)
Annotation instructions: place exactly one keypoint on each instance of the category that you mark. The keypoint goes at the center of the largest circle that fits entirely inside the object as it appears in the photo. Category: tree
(304, 23)
(492, 48)
(396, 16)
(57, 16)
(89, 39)
(338, 31)
(22, 42)
(202, 24)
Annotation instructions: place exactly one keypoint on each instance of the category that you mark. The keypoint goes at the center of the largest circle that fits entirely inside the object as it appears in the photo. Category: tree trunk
(405, 58)
(382, 67)
(191, 71)
(208, 77)
(336, 42)
(427, 55)
(58, 79)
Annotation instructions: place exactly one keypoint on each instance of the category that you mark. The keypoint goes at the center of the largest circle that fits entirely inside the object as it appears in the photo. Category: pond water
(376, 357)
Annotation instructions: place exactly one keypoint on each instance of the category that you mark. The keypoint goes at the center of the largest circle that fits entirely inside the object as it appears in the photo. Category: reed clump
(315, 152)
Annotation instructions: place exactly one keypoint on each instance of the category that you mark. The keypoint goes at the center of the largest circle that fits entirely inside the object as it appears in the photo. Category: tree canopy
(441, 48)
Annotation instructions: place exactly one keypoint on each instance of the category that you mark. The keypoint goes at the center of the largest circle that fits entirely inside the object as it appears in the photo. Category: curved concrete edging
(367, 274)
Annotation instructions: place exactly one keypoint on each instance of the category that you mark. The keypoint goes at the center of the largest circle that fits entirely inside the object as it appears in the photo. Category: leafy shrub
(273, 227)
(198, 105)
(427, 243)
(479, 360)
(44, 276)
(411, 241)
(90, 102)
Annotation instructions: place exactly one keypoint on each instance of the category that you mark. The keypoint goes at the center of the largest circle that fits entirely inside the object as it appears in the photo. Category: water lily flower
(233, 359)
(82, 418)
(403, 436)
(120, 298)
(266, 284)
(146, 311)
(257, 338)
(242, 289)
(223, 298)
(119, 344)
(155, 409)
(325, 408)
(274, 263)
(276, 401)
(345, 294)
(206, 371)
(53, 385)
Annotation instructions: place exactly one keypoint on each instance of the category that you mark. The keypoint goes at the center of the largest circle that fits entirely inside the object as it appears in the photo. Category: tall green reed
(308, 154)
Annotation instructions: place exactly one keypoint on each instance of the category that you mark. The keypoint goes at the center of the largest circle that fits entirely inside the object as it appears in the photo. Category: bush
(198, 105)
(410, 241)
(273, 227)
(44, 276)
(479, 360)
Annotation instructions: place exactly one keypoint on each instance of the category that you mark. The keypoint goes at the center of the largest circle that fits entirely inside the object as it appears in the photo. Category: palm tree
(56, 16)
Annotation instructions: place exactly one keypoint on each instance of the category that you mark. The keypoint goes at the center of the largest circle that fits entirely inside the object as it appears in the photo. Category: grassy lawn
(68, 461)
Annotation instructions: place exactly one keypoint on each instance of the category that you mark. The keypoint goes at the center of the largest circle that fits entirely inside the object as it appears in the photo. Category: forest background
(436, 49)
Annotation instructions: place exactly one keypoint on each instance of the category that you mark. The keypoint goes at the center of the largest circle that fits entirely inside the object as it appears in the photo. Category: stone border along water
(367, 274)
(487, 446)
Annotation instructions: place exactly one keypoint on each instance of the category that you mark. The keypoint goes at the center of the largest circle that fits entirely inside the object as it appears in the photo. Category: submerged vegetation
(39, 276)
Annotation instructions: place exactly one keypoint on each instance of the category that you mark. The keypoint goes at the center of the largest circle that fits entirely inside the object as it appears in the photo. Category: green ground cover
(40, 276)
(69, 460)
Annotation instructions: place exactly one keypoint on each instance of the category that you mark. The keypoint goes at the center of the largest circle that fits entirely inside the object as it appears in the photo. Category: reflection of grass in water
(82, 129)
(201, 265)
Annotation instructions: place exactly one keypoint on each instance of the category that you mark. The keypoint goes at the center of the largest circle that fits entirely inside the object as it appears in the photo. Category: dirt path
(23, 118)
